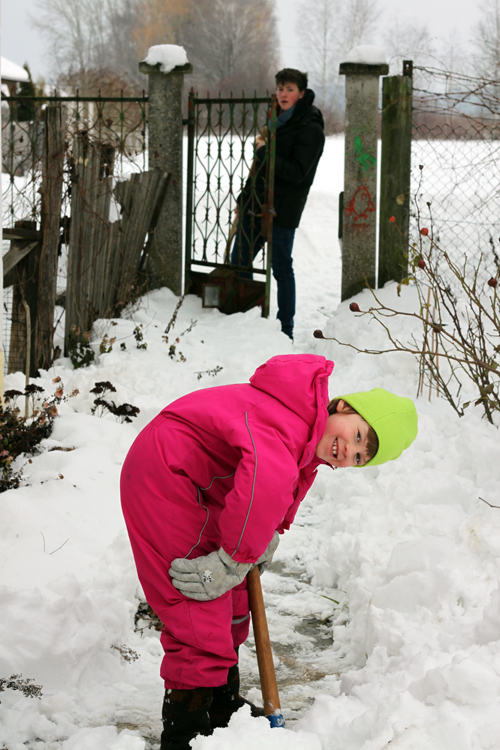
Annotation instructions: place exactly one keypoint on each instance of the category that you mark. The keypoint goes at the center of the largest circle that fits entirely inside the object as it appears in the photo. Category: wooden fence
(103, 255)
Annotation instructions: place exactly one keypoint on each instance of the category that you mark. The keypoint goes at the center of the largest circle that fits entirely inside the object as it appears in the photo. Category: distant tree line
(328, 29)
(97, 44)
(234, 44)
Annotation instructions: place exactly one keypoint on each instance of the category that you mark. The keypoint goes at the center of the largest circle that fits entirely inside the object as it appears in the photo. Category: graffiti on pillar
(360, 206)
(363, 157)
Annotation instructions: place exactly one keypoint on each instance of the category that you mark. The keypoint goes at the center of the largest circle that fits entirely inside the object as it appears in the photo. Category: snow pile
(383, 602)
(167, 56)
(366, 54)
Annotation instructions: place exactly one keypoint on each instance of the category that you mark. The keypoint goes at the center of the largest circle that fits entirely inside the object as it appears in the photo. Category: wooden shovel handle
(262, 644)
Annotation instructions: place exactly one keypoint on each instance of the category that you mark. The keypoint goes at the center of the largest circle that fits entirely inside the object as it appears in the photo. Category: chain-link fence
(116, 126)
(455, 179)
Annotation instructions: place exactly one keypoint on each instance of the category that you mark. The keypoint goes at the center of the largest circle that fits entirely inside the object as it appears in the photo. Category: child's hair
(371, 437)
(291, 75)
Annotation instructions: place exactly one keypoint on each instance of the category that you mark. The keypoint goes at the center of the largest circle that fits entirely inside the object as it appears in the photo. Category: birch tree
(358, 23)
(486, 60)
(408, 41)
(75, 31)
(321, 45)
(331, 30)
(233, 44)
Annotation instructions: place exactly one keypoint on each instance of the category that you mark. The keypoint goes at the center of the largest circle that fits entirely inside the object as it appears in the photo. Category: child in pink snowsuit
(206, 486)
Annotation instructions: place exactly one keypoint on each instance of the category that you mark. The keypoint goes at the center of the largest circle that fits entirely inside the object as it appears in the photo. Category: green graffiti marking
(363, 157)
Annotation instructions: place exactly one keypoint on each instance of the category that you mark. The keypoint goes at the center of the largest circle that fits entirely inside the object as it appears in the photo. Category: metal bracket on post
(360, 176)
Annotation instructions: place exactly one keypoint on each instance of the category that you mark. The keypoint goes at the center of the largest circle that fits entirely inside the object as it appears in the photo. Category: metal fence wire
(117, 125)
(455, 181)
(116, 122)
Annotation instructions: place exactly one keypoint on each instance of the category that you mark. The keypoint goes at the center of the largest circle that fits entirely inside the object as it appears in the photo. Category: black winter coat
(299, 145)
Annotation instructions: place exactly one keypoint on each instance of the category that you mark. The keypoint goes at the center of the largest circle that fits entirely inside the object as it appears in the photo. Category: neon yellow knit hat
(394, 419)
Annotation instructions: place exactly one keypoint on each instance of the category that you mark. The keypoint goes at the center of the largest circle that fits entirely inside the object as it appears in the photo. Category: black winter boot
(227, 700)
(185, 714)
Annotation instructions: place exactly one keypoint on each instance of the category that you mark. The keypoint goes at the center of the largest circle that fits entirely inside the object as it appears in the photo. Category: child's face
(344, 442)
(288, 95)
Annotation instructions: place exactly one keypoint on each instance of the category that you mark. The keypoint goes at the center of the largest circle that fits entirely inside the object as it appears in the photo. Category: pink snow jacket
(250, 449)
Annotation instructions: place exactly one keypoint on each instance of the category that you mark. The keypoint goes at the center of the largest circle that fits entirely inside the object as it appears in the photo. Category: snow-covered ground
(383, 601)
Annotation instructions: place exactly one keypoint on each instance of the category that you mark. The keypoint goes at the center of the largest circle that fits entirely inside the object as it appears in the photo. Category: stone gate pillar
(165, 100)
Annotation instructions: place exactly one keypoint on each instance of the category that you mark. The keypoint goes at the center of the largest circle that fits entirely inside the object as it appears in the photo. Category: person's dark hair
(290, 75)
(371, 437)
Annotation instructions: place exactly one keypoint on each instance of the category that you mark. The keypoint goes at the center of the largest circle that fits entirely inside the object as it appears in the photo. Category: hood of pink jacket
(279, 378)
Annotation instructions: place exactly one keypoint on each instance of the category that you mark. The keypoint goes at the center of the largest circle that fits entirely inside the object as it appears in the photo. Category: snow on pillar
(166, 65)
(362, 69)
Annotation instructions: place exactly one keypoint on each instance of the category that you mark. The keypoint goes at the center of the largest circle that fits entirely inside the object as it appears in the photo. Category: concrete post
(360, 175)
(165, 95)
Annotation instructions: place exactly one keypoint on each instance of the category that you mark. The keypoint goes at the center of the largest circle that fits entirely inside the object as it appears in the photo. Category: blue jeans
(249, 237)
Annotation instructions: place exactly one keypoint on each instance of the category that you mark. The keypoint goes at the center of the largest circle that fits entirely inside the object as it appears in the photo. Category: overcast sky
(20, 43)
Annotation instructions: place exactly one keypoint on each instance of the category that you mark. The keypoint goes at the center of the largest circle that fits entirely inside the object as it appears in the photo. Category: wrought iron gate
(225, 248)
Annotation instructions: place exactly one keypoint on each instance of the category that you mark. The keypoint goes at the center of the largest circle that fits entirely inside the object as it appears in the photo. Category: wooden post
(51, 190)
(23, 276)
(360, 175)
(395, 175)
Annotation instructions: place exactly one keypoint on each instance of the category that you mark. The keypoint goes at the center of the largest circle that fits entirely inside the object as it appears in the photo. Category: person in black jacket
(299, 144)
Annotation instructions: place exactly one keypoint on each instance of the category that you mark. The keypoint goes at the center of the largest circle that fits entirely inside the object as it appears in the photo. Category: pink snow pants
(164, 521)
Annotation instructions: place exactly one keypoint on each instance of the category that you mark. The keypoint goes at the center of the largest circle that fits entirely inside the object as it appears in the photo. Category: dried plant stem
(427, 308)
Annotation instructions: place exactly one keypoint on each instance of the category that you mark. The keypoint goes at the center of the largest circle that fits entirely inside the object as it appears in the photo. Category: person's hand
(265, 559)
(207, 577)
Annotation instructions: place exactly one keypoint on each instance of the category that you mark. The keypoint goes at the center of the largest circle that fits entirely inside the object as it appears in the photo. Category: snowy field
(383, 601)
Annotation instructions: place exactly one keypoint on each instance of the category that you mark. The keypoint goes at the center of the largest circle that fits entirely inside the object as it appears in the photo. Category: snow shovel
(267, 674)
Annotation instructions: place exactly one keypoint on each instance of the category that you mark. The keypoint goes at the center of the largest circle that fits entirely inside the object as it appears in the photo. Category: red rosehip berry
(492, 282)
(393, 219)
(424, 231)
(318, 334)
(421, 263)
(354, 307)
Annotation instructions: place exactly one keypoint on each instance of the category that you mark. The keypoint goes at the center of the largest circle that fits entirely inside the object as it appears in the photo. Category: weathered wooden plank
(149, 191)
(104, 257)
(74, 246)
(14, 255)
(113, 267)
(91, 196)
(51, 192)
(104, 194)
(129, 197)
(24, 279)
(17, 233)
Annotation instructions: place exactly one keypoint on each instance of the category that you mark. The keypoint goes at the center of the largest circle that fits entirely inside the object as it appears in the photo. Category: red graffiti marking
(360, 205)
